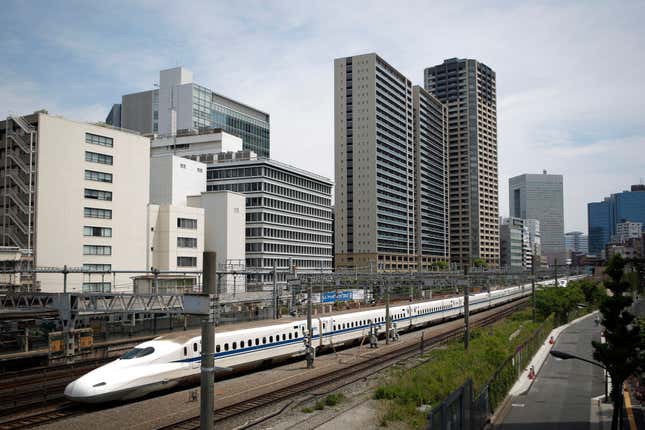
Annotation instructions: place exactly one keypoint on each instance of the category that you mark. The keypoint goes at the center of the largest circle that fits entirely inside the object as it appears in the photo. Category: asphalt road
(560, 397)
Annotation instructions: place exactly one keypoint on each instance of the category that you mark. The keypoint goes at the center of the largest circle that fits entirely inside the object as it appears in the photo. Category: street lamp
(561, 355)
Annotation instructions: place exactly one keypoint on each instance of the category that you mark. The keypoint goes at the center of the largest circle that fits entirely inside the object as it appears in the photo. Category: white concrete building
(175, 231)
(200, 146)
(225, 220)
(627, 230)
(75, 194)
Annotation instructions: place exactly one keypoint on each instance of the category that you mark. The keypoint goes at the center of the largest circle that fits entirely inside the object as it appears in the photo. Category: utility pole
(466, 310)
(388, 323)
(208, 344)
(310, 329)
(533, 284)
(555, 268)
(275, 292)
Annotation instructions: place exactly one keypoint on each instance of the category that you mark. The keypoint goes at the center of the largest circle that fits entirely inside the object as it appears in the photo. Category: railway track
(63, 410)
(341, 377)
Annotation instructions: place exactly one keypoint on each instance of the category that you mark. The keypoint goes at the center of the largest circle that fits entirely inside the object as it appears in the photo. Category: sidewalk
(561, 395)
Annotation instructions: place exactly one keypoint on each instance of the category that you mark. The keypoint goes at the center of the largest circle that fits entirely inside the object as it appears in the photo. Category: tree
(480, 262)
(439, 265)
(592, 290)
(558, 301)
(622, 353)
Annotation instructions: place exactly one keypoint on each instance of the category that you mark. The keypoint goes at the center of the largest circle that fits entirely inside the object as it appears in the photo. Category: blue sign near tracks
(332, 296)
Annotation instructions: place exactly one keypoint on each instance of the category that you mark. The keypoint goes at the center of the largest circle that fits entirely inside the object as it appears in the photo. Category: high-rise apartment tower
(389, 144)
(467, 88)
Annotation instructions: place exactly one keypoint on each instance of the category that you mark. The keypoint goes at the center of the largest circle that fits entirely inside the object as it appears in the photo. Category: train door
(196, 352)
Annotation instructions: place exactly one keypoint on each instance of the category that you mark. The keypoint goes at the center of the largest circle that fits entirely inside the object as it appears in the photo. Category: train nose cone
(75, 391)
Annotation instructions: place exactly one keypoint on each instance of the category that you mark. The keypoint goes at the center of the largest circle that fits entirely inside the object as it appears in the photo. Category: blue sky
(570, 75)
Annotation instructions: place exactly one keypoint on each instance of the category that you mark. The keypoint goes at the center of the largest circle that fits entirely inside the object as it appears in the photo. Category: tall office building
(604, 216)
(181, 104)
(539, 196)
(389, 143)
(467, 88)
(75, 194)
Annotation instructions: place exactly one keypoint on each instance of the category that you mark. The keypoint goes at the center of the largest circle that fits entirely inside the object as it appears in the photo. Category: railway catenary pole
(208, 344)
(466, 309)
(310, 349)
(275, 292)
(388, 323)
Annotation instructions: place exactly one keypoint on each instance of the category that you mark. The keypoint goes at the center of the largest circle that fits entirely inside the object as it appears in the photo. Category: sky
(570, 75)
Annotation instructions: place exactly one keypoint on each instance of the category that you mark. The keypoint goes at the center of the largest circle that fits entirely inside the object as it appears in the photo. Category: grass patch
(307, 410)
(407, 389)
(334, 399)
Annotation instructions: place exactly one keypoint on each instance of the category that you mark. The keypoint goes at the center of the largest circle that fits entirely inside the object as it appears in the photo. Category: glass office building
(211, 110)
(604, 216)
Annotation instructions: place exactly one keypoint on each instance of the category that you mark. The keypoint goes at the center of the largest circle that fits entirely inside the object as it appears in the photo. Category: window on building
(97, 250)
(186, 261)
(95, 139)
(95, 157)
(98, 194)
(97, 287)
(187, 223)
(97, 267)
(97, 231)
(92, 175)
(98, 213)
(186, 242)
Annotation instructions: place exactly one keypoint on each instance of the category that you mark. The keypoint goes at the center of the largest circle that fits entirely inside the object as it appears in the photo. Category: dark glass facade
(599, 225)
(603, 216)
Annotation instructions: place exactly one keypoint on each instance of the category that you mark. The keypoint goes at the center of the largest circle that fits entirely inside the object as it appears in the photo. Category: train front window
(137, 353)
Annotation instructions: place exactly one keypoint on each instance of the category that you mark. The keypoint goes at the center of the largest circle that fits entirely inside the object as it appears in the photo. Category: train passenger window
(241, 344)
(185, 351)
(295, 335)
(195, 346)
(284, 336)
(234, 345)
(217, 348)
(257, 340)
(270, 339)
(264, 340)
(289, 335)
(226, 347)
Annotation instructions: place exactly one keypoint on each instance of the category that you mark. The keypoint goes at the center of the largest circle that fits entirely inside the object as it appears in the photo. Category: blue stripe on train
(247, 349)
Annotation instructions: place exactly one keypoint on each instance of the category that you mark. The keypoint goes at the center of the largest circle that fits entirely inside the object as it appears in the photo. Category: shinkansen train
(172, 359)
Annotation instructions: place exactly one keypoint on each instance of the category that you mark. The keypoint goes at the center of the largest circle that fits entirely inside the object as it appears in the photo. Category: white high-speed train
(171, 359)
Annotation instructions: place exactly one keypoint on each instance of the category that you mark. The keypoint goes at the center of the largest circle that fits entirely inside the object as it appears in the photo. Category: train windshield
(137, 353)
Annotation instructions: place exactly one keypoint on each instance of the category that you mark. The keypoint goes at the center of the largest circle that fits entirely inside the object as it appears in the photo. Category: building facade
(75, 194)
(288, 215)
(539, 196)
(576, 241)
(180, 104)
(627, 230)
(390, 168)
(515, 244)
(431, 186)
(468, 89)
(599, 226)
(604, 216)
